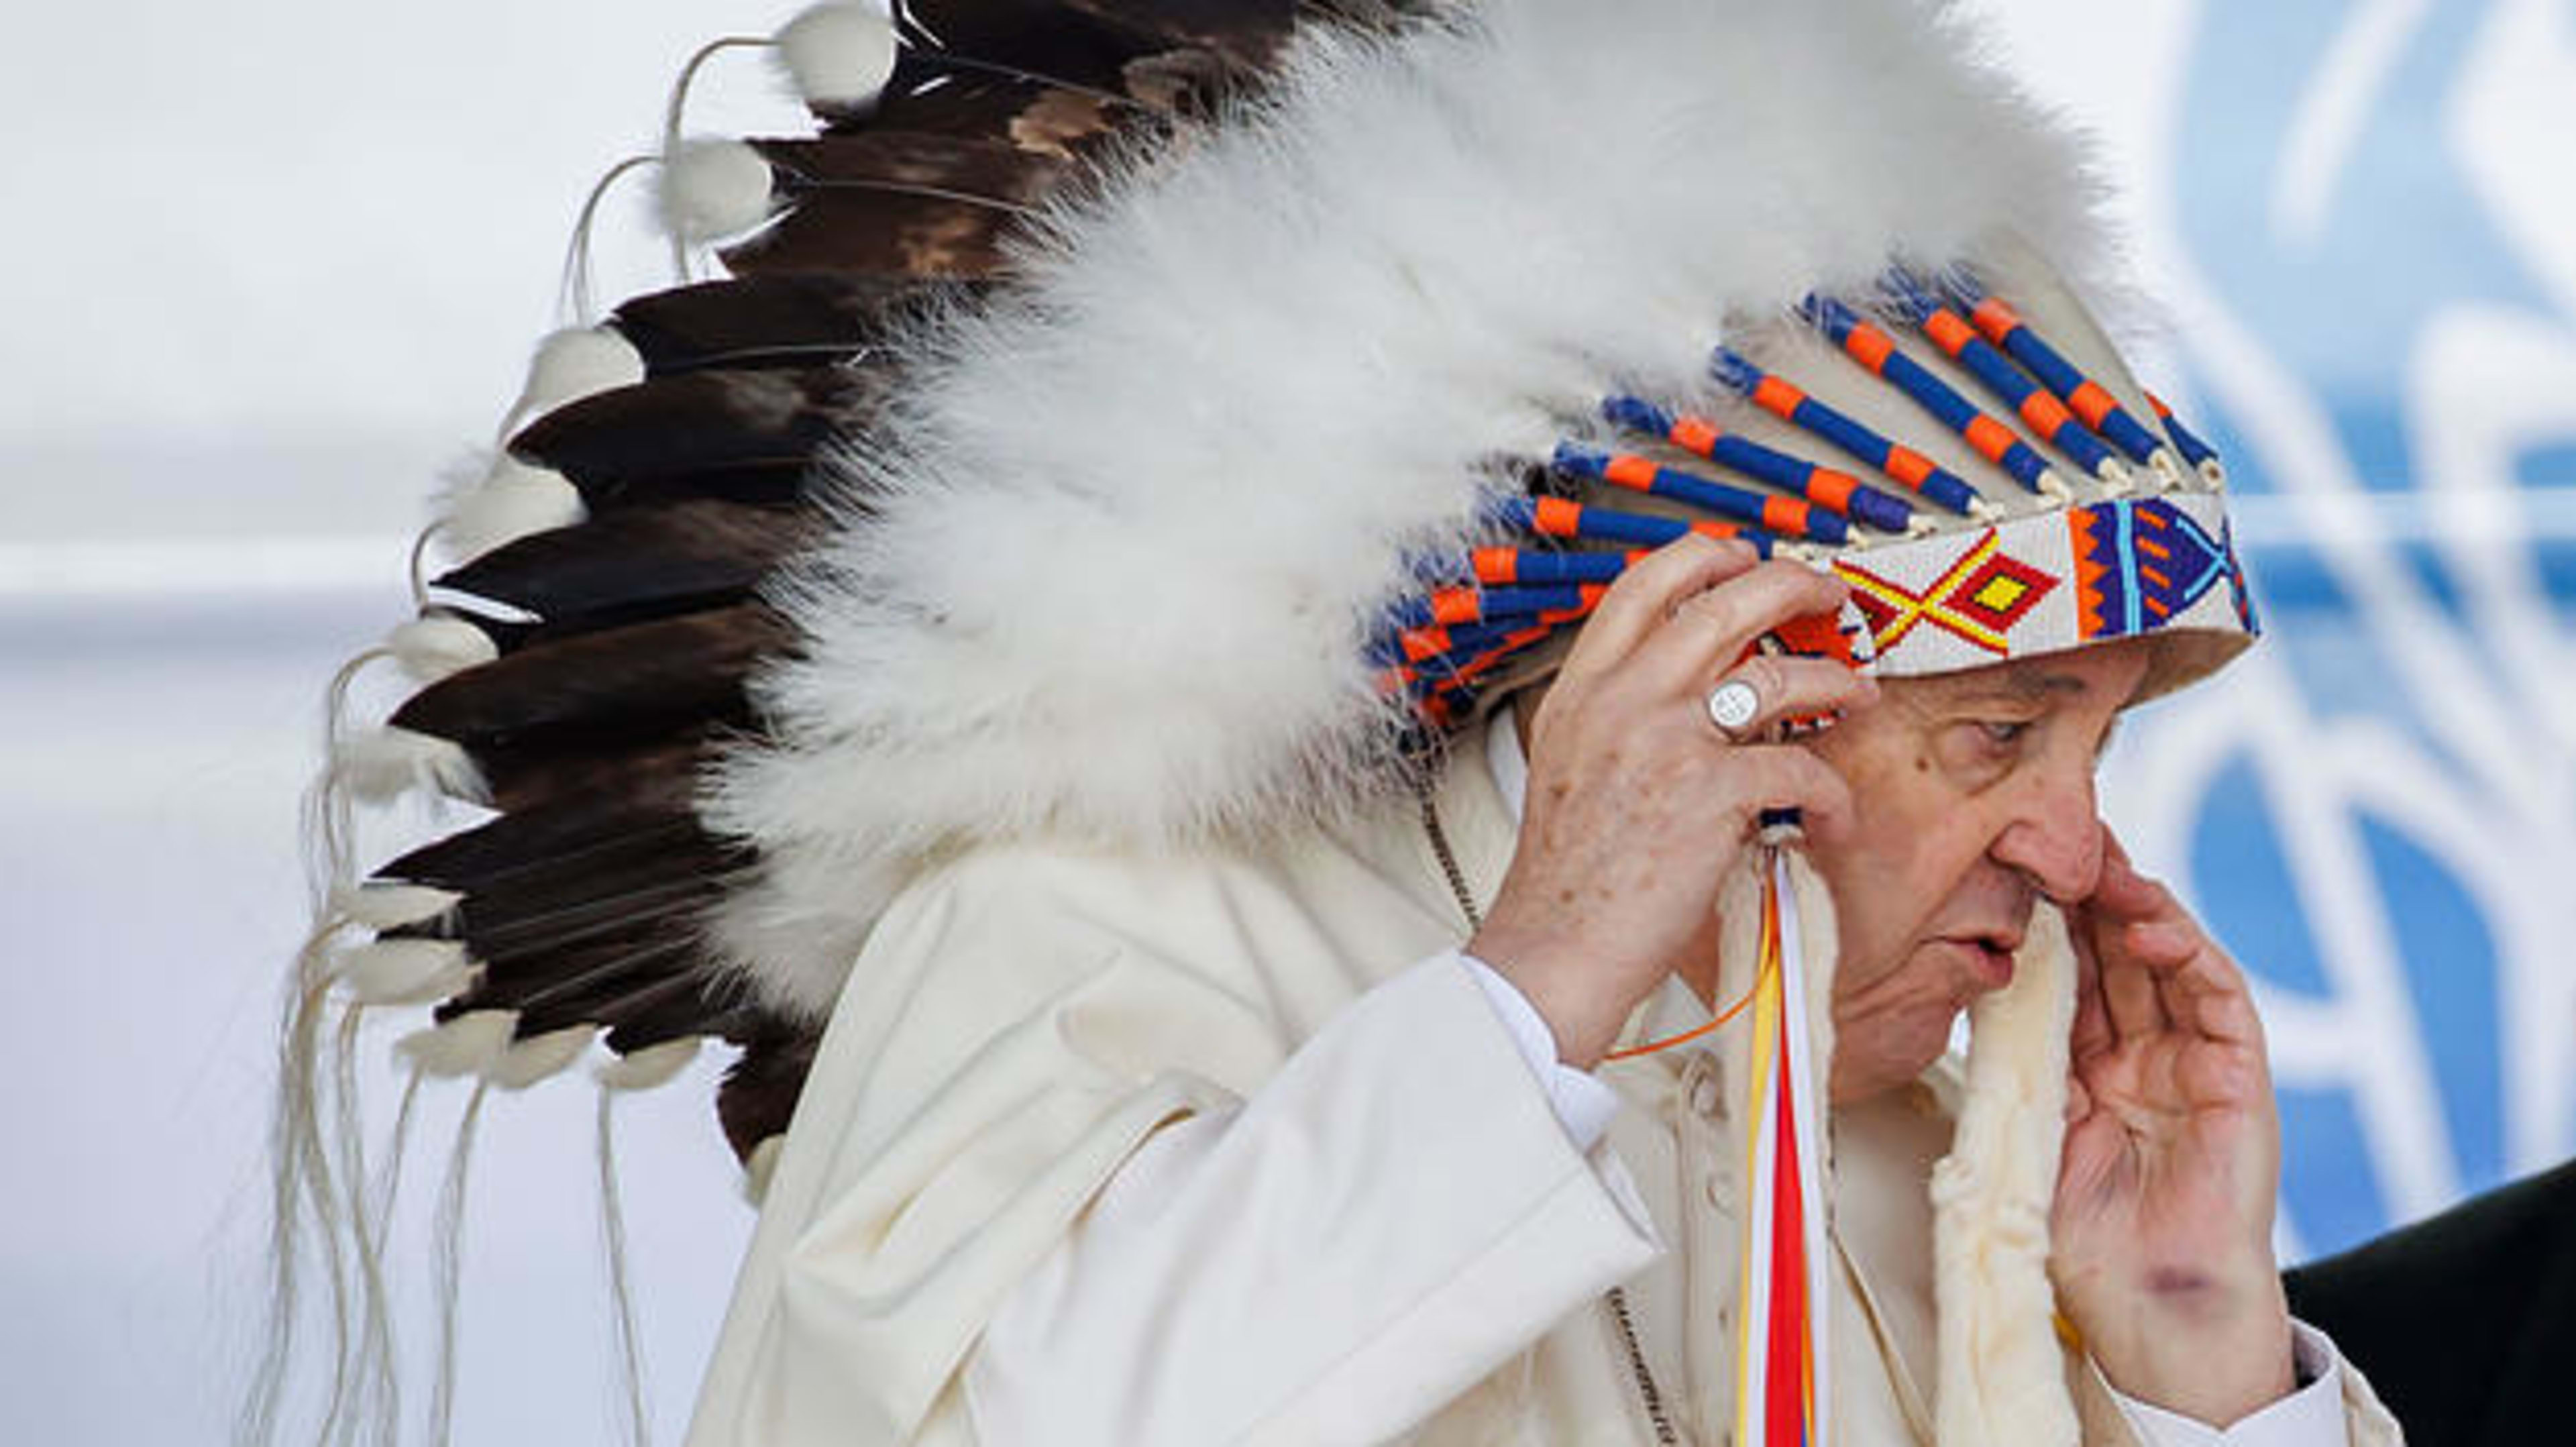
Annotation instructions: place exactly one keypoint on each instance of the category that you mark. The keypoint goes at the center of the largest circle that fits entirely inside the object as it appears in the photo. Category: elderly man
(1398, 1229)
(1366, 1121)
(1271, 757)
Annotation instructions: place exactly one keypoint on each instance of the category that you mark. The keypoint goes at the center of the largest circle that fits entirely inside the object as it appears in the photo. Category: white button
(1714, 1189)
(1703, 1096)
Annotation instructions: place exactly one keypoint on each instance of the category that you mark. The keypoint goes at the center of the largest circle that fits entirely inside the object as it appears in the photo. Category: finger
(1646, 594)
(2123, 893)
(1785, 776)
(2092, 1033)
(1787, 687)
(2129, 990)
(2207, 993)
(1710, 630)
(2164, 942)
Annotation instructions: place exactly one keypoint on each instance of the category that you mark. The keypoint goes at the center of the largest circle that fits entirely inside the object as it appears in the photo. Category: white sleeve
(1398, 1211)
(1583, 1103)
(2312, 1416)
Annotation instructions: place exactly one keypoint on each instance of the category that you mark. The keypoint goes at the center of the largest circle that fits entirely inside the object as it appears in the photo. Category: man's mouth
(1991, 957)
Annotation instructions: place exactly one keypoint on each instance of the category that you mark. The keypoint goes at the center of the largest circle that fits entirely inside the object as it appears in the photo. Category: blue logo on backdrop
(2378, 811)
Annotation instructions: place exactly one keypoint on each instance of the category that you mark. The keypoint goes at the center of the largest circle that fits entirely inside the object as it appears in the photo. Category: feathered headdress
(1118, 423)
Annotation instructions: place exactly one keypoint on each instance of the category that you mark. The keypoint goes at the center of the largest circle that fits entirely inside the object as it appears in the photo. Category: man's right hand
(1638, 806)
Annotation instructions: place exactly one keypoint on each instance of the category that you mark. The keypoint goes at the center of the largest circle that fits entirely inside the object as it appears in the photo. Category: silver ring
(1733, 706)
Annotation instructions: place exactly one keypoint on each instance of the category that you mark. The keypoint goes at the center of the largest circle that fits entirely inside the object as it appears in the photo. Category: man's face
(1974, 798)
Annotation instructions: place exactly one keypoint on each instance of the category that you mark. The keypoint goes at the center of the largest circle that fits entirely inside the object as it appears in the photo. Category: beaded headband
(1975, 541)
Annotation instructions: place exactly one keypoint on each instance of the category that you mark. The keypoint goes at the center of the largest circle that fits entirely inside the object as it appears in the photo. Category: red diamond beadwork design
(1979, 597)
(1998, 594)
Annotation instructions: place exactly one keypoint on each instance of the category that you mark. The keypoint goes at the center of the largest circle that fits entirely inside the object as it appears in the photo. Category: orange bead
(1947, 332)
(1996, 320)
(1777, 397)
(1992, 439)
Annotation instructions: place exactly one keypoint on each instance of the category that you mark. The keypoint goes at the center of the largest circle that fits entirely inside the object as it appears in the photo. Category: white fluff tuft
(404, 972)
(652, 1066)
(1460, 239)
(392, 906)
(837, 55)
(465, 1047)
(513, 501)
(540, 1057)
(574, 363)
(383, 764)
(2002, 1372)
(436, 646)
(712, 189)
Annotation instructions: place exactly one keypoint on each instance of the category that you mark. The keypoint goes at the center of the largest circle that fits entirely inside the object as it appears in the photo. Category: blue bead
(1637, 415)
(1733, 371)
(1880, 510)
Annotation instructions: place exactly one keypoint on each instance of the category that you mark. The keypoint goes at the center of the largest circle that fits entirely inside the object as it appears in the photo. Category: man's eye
(2004, 734)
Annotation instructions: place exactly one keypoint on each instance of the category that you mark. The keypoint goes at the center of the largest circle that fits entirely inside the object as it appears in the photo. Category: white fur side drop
(712, 189)
(2002, 1370)
(837, 55)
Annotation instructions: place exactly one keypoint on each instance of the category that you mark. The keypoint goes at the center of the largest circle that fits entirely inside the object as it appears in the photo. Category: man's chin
(1882, 1064)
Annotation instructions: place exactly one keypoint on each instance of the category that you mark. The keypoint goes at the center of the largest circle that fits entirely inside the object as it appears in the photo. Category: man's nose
(2054, 835)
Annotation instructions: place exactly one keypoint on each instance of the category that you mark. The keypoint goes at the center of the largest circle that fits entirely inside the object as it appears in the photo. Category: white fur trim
(574, 363)
(465, 1046)
(392, 906)
(760, 1166)
(837, 55)
(404, 971)
(652, 1066)
(435, 646)
(1460, 239)
(2002, 1371)
(712, 189)
(513, 501)
(384, 763)
(540, 1056)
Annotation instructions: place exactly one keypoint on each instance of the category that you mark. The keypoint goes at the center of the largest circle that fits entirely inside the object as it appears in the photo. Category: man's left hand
(2162, 1227)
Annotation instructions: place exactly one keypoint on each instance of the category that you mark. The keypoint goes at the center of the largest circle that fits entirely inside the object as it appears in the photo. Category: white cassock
(1236, 1147)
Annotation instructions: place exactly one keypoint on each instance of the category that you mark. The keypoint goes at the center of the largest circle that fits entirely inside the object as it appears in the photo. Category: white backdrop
(272, 264)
